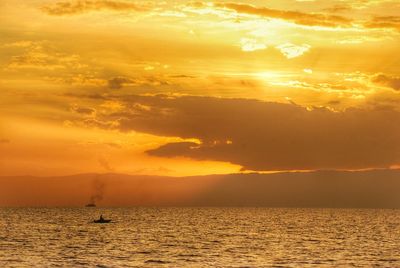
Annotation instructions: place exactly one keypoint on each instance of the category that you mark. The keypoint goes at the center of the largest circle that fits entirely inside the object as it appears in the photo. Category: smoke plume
(97, 191)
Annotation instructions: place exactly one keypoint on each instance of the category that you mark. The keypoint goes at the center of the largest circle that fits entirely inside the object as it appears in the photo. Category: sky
(183, 88)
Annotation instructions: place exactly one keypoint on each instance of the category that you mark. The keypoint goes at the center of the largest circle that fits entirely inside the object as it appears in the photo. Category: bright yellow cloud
(291, 51)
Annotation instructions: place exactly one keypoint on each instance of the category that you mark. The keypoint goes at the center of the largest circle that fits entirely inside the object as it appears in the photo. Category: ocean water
(199, 237)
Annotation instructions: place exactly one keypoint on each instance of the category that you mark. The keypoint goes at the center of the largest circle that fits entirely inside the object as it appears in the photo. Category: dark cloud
(384, 22)
(119, 82)
(4, 141)
(334, 102)
(82, 6)
(387, 81)
(178, 149)
(92, 96)
(309, 19)
(182, 76)
(263, 135)
(113, 145)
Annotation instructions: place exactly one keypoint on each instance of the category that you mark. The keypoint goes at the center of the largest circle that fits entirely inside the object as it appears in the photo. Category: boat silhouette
(101, 220)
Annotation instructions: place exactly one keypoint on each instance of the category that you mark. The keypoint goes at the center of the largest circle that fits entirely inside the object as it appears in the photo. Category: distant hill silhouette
(371, 189)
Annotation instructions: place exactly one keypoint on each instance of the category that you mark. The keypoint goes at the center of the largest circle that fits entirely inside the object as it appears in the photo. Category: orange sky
(192, 88)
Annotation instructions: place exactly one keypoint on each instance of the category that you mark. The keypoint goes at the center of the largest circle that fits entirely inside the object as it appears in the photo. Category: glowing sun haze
(192, 88)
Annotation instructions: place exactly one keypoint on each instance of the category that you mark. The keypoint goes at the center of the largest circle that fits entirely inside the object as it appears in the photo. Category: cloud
(4, 141)
(39, 55)
(249, 44)
(339, 8)
(119, 82)
(178, 149)
(308, 71)
(182, 76)
(308, 19)
(384, 22)
(264, 135)
(122, 81)
(387, 81)
(95, 123)
(84, 110)
(20, 44)
(291, 51)
(82, 6)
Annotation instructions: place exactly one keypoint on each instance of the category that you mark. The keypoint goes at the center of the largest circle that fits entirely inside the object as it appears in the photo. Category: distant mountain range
(370, 189)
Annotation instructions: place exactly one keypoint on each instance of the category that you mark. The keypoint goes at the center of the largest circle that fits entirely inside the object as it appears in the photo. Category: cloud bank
(301, 18)
(82, 6)
(264, 135)
(387, 81)
(391, 22)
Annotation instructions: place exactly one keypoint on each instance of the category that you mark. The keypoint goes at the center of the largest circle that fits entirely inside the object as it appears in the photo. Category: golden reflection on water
(199, 237)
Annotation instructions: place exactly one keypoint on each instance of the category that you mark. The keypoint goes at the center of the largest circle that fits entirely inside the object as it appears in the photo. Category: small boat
(91, 205)
(102, 221)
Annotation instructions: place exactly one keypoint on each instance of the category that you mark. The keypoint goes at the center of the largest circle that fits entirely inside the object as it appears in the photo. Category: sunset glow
(182, 88)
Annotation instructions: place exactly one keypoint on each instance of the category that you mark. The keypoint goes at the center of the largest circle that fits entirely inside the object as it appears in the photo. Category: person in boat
(102, 220)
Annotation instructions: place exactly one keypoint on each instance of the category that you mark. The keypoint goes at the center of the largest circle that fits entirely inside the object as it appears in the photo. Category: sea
(199, 237)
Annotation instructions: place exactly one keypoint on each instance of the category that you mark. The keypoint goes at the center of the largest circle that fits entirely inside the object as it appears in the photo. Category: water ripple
(199, 237)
